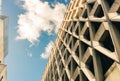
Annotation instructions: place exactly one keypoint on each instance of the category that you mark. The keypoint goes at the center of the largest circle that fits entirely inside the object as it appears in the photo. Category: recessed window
(106, 62)
(90, 65)
(106, 41)
(84, 78)
(69, 66)
(74, 65)
(118, 11)
(77, 51)
(81, 25)
(99, 12)
(91, 6)
(95, 26)
(116, 26)
(83, 48)
(87, 34)
(77, 31)
(109, 3)
(66, 56)
(85, 15)
(77, 78)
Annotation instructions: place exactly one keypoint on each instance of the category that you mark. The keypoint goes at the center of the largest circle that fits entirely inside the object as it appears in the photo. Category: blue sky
(24, 61)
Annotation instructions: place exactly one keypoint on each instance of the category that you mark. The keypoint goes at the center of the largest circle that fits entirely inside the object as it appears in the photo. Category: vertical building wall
(88, 44)
(1, 41)
(3, 46)
(3, 74)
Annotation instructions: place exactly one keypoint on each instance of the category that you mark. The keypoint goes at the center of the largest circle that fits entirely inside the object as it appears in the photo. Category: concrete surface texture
(3, 47)
(87, 47)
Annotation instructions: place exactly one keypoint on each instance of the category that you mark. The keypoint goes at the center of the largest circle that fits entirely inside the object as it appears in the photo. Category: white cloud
(48, 49)
(39, 16)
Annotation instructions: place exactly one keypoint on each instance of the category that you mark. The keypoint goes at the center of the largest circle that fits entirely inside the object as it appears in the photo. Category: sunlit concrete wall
(3, 46)
(87, 47)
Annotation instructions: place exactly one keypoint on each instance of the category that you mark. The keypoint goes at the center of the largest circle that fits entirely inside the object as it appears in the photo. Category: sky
(33, 27)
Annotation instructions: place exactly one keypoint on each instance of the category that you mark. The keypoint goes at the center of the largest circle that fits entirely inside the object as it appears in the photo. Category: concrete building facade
(3, 46)
(87, 47)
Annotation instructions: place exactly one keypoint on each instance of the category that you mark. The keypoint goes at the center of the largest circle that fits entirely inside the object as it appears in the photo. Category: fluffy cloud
(39, 16)
(48, 49)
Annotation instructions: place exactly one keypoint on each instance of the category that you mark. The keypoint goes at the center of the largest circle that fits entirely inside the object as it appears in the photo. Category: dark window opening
(90, 65)
(66, 56)
(74, 23)
(81, 25)
(109, 2)
(95, 26)
(63, 35)
(84, 78)
(85, 15)
(74, 65)
(83, 48)
(66, 77)
(87, 34)
(51, 75)
(68, 38)
(64, 52)
(59, 58)
(56, 77)
(63, 49)
(71, 28)
(90, 5)
(78, 78)
(105, 61)
(106, 41)
(99, 12)
(74, 40)
(117, 26)
(71, 44)
(118, 11)
(77, 51)
(63, 78)
(77, 31)
(61, 66)
(69, 66)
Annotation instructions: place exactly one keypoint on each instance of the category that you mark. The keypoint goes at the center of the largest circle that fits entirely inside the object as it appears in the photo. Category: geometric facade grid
(87, 47)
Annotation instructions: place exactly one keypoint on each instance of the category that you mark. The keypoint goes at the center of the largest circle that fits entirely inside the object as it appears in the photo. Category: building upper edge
(5, 19)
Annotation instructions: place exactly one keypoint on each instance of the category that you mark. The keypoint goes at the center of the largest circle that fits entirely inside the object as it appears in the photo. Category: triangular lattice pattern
(88, 44)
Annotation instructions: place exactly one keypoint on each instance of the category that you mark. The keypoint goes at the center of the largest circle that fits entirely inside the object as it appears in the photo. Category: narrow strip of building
(3, 46)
